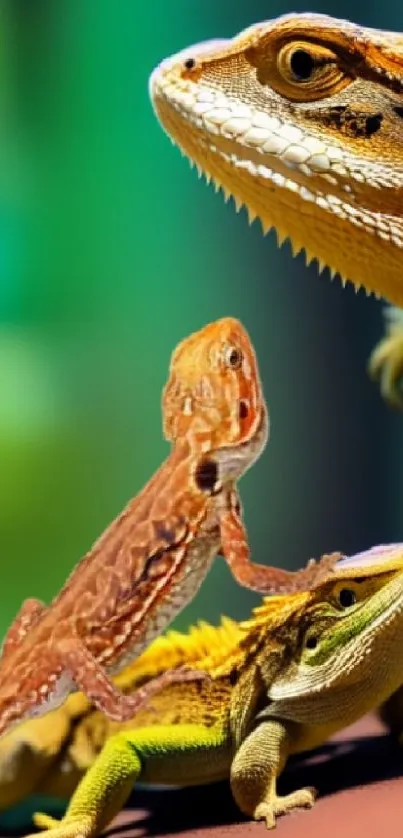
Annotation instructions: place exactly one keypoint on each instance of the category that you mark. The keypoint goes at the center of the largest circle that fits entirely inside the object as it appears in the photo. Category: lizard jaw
(283, 178)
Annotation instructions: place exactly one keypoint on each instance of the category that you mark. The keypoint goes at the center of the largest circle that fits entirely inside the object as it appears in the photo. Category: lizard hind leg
(156, 753)
(91, 679)
(100, 795)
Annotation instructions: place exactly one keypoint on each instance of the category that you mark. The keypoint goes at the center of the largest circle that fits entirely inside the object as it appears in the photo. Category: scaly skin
(152, 559)
(300, 119)
(302, 667)
(52, 753)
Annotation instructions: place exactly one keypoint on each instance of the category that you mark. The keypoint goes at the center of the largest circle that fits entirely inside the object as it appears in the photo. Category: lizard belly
(63, 688)
(175, 594)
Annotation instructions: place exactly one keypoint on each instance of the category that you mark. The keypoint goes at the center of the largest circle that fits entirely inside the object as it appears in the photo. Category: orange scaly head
(213, 396)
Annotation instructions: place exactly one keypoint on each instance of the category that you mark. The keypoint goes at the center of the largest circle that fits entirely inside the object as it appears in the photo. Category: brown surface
(358, 777)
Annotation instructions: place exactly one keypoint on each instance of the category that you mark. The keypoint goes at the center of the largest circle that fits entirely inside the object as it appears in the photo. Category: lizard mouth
(288, 178)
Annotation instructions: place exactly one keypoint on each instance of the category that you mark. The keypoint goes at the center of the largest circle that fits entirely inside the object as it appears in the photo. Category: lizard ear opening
(206, 476)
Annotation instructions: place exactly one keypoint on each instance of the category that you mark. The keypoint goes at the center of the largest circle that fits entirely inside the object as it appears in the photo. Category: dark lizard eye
(301, 70)
(347, 598)
(302, 64)
(189, 63)
(311, 642)
(233, 357)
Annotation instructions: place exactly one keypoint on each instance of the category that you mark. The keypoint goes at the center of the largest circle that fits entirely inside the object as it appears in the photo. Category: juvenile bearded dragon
(152, 559)
(302, 667)
(300, 119)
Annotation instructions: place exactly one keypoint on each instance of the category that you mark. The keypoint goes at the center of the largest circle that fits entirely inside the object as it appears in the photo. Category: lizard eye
(302, 71)
(301, 64)
(311, 641)
(347, 597)
(311, 68)
(233, 357)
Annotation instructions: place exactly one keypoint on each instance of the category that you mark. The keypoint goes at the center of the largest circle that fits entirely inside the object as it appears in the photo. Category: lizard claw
(269, 810)
(318, 570)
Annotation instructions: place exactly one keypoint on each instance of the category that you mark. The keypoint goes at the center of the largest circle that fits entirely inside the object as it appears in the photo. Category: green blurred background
(111, 251)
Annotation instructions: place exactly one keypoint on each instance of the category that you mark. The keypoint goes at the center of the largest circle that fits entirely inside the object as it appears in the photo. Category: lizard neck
(235, 460)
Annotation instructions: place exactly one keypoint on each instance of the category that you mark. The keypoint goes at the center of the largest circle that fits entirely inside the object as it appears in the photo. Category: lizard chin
(235, 460)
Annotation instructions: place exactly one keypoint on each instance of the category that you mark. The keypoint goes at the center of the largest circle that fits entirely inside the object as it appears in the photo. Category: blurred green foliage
(110, 252)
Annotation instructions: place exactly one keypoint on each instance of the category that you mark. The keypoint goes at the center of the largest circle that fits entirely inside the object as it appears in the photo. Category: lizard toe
(271, 809)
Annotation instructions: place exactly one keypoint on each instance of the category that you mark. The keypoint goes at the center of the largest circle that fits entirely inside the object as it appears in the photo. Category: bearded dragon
(152, 559)
(300, 119)
(302, 667)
